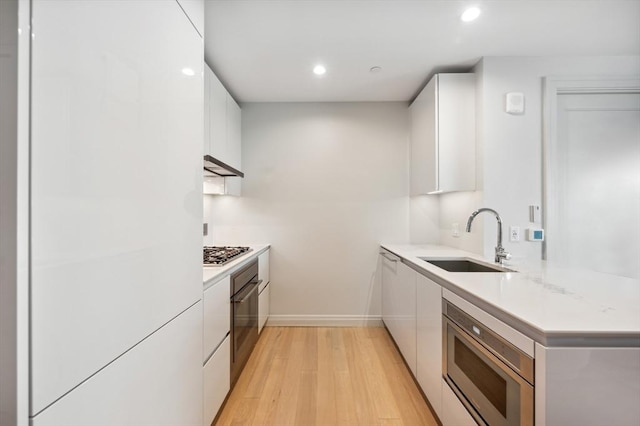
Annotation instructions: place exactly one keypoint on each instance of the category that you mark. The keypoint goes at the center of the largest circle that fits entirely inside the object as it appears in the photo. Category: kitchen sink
(464, 265)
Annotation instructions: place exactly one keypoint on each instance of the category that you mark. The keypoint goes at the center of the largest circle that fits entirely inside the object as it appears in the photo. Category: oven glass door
(497, 393)
(244, 317)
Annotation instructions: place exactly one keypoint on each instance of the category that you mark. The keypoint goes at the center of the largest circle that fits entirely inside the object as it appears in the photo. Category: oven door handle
(248, 295)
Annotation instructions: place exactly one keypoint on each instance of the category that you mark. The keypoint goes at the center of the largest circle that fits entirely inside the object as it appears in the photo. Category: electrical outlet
(514, 233)
(455, 230)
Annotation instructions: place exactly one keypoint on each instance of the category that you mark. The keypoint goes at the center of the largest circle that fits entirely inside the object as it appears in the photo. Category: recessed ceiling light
(319, 70)
(188, 71)
(470, 14)
(375, 69)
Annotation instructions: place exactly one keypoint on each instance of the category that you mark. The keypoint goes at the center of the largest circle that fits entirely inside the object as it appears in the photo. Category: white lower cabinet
(405, 301)
(217, 315)
(216, 375)
(157, 382)
(429, 340)
(399, 306)
(453, 412)
(264, 299)
(587, 386)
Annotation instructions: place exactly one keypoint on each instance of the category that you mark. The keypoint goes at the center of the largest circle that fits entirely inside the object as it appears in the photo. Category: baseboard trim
(324, 321)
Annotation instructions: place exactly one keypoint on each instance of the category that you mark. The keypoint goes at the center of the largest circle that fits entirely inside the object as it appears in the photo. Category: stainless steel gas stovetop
(218, 256)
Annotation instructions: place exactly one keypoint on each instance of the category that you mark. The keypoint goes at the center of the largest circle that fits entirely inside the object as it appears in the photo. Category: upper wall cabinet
(223, 139)
(443, 151)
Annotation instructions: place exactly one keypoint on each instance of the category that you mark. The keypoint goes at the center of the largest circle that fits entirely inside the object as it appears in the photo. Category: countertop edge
(547, 339)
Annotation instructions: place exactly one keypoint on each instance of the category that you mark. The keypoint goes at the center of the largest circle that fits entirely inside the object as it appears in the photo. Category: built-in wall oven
(244, 316)
(492, 377)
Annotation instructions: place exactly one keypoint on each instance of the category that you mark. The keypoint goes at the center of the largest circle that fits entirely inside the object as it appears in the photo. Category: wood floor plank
(326, 376)
(326, 413)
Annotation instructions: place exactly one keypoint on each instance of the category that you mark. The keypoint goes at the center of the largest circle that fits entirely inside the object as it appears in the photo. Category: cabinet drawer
(263, 307)
(216, 381)
(217, 314)
(263, 269)
(453, 412)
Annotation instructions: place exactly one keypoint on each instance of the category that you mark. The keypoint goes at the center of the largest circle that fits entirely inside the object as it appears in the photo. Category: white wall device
(535, 234)
(514, 103)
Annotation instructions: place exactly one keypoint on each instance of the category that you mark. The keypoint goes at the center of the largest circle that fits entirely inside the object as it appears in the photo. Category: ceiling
(265, 50)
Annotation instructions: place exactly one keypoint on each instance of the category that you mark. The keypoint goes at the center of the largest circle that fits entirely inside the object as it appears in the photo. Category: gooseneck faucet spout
(501, 254)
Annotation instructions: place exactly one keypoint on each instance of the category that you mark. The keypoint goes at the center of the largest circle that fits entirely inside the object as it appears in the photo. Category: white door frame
(552, 86)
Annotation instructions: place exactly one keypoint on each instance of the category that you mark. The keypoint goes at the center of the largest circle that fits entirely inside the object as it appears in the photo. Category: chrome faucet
(501, 253)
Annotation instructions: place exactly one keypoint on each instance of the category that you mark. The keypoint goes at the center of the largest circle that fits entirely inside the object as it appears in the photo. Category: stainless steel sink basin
(464, 265)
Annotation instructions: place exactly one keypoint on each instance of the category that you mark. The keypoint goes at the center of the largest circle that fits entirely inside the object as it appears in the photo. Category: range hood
(216, 168)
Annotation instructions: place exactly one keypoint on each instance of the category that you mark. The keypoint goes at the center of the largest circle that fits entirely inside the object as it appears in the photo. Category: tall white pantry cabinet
(116, 213)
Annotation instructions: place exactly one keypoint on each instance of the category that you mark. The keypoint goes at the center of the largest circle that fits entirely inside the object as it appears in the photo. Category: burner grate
(216, 256)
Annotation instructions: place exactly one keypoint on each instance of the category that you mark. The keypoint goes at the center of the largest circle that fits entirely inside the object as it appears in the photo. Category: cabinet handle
(389, 257)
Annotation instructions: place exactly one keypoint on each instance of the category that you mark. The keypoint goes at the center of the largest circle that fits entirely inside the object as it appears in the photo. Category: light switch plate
(514, 233)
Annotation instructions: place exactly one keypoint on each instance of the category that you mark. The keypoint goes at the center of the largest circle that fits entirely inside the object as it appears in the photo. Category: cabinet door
(424, 133)
(405, 301)
(217, 118)
(217, 313)
(116, 140)
(158, 382)
(264, 269)
(216, 375)
(234, 133)
(264, 300)
(233, 185)
(429, 340)
(389, 266)
(206, 143)
(456, 132)
(453, 412)
(443, 135)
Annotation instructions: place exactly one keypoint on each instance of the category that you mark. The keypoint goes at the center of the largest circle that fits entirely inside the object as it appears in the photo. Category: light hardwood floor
(325, 376)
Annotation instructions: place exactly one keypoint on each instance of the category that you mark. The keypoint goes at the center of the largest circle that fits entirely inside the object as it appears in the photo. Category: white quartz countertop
(211, 274)
(553, 305)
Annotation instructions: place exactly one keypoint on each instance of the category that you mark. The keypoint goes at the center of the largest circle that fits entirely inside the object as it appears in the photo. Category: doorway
(592, 176)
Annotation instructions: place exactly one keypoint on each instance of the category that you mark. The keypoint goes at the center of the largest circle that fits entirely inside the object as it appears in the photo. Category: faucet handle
(502, 255)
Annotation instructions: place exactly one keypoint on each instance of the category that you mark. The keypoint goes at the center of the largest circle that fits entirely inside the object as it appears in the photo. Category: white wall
(324, 183)
(510, 147)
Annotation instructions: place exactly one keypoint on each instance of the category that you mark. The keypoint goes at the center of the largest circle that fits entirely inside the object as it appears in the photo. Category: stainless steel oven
(244, 317)
(492, 377)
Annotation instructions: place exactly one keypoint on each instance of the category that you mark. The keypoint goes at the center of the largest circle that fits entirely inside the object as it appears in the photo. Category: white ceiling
(265, 50)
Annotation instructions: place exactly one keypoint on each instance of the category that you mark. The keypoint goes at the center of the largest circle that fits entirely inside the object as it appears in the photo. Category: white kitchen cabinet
(217, 314)
(429, 340)
(224, 141)
(216, 146)
(264, 269)
(389, 265)
(234, 133)
(116, 135)
(587, 386)
(217, 379)
(264, 297)
(443, 135)
(399, 306)
(453, 412)
(158, 382)
(194, 9)
(264, 301)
